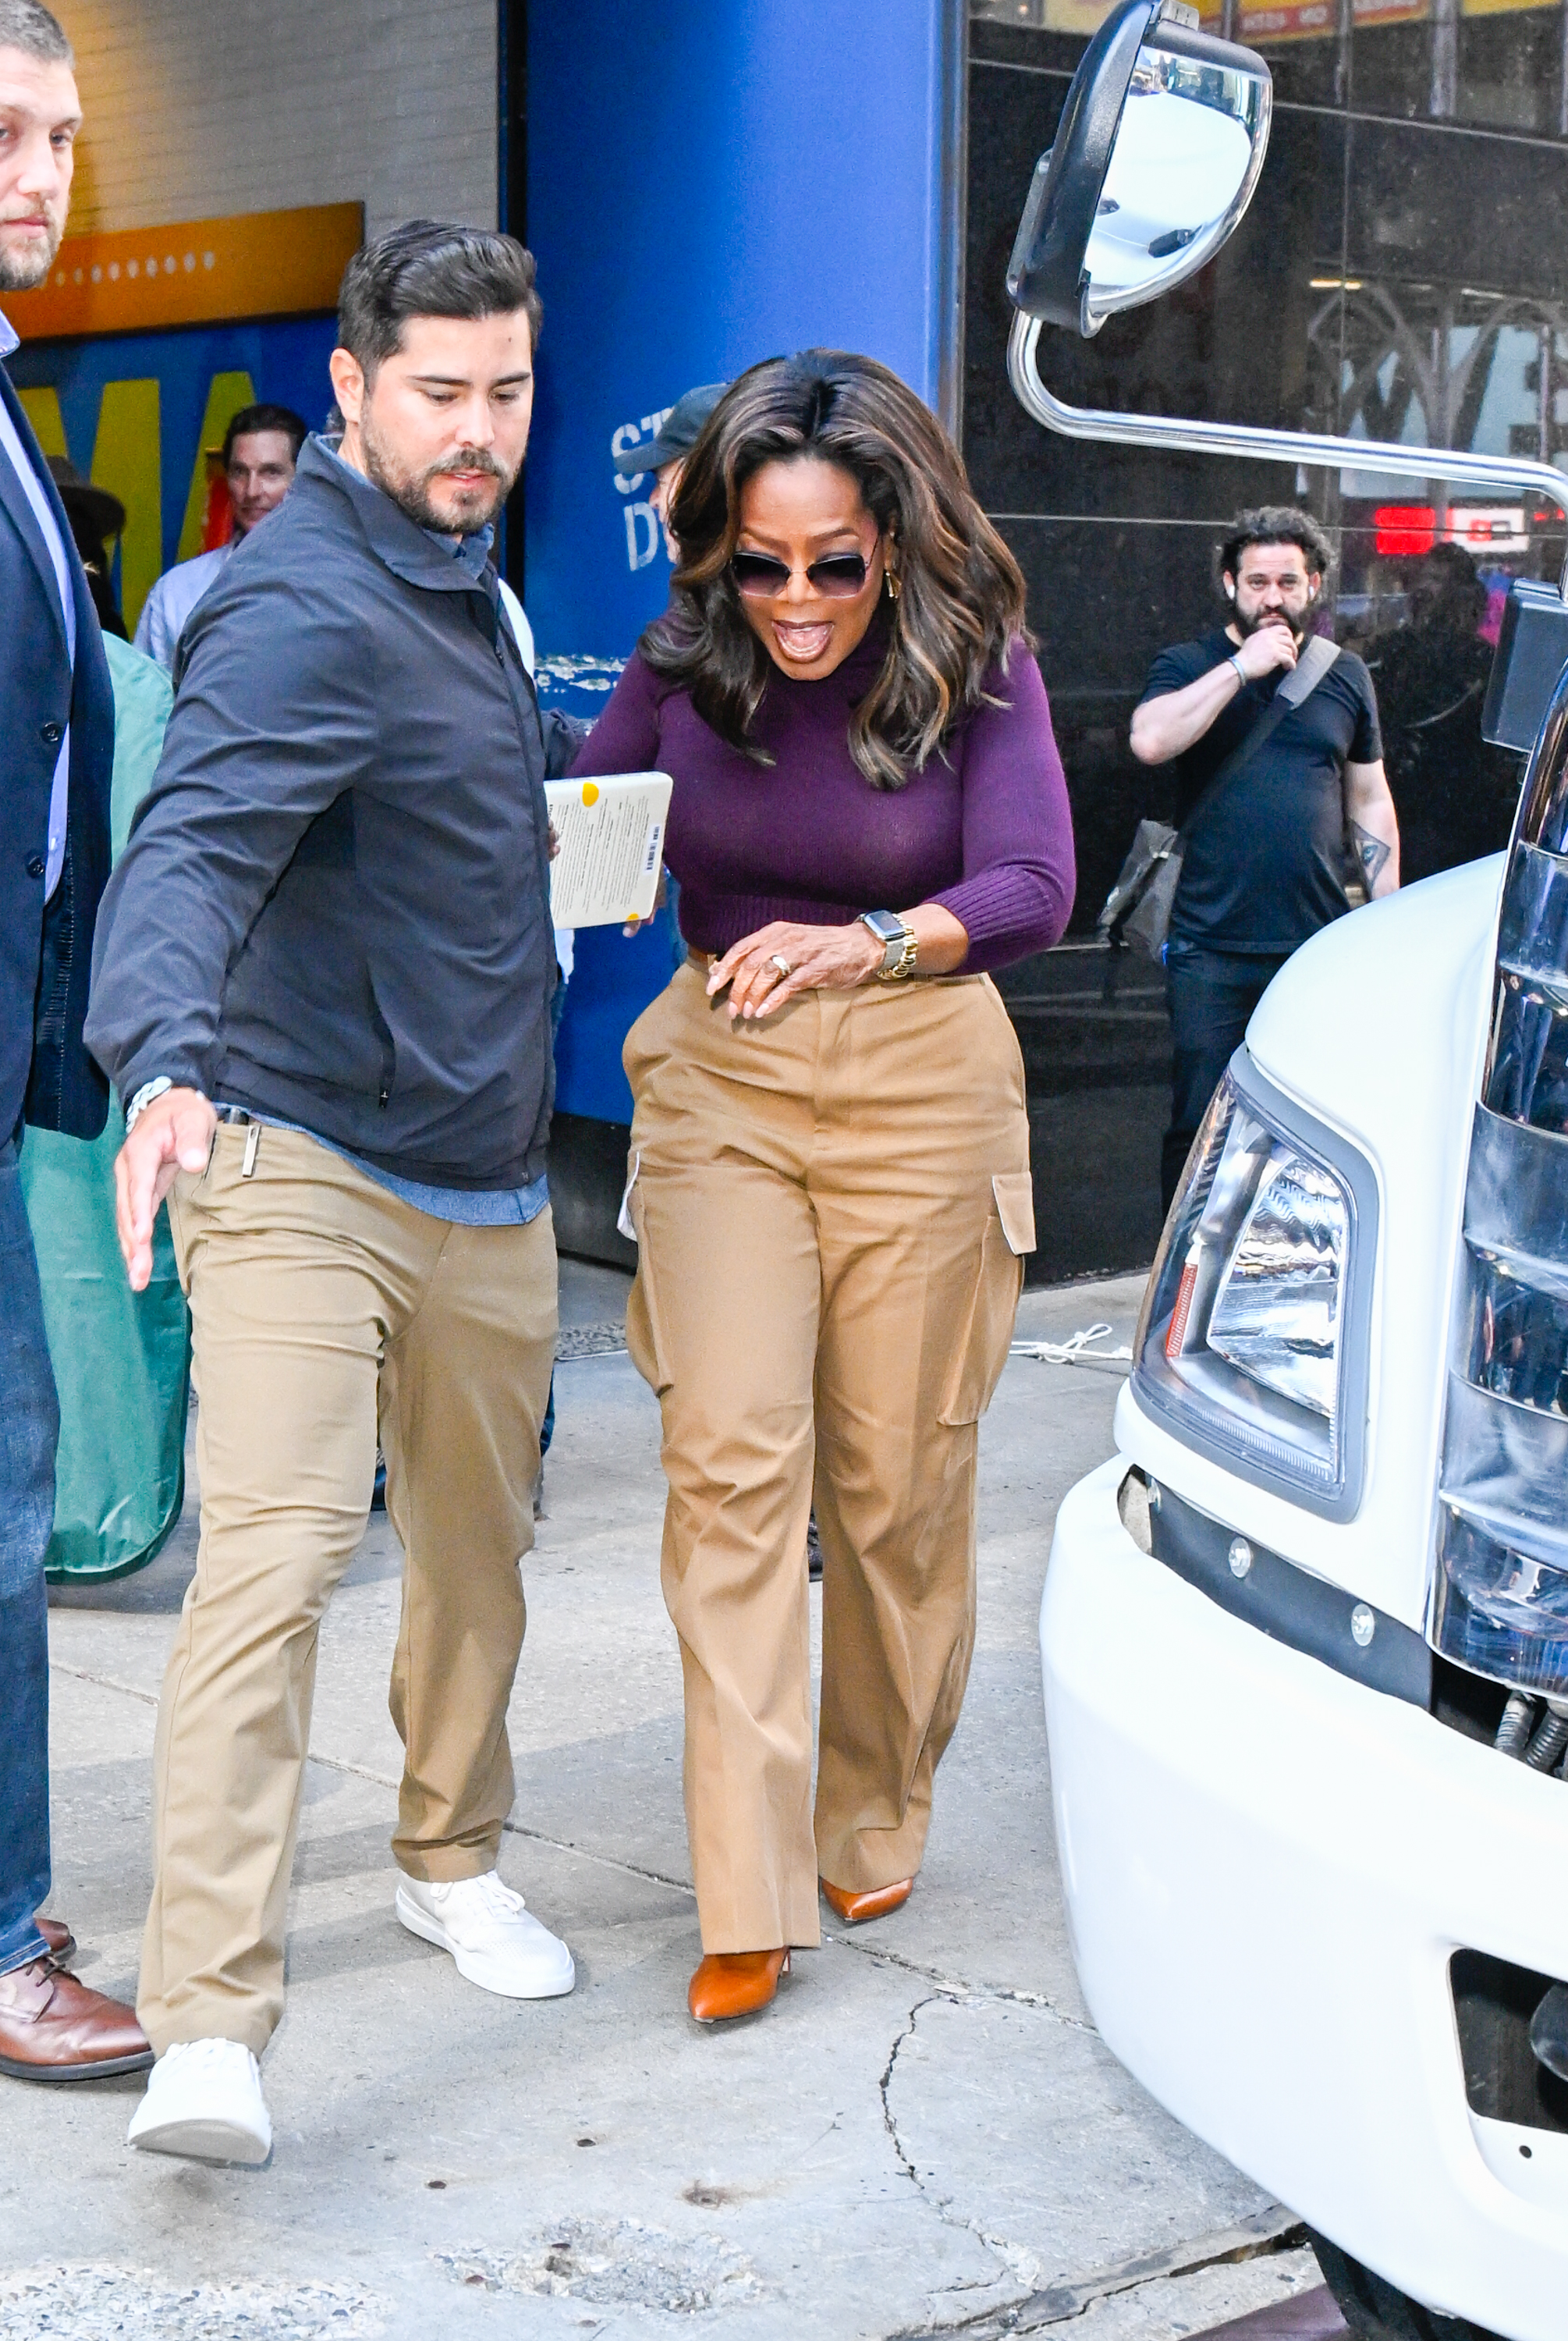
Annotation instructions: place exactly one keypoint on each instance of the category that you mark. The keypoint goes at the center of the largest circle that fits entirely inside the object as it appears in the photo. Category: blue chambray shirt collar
(10, 339)
(470, 551)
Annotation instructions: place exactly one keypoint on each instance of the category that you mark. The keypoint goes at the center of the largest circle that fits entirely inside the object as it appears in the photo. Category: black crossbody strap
(1299, 685)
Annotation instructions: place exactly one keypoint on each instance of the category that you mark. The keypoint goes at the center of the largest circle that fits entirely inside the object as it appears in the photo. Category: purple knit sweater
(985, 829)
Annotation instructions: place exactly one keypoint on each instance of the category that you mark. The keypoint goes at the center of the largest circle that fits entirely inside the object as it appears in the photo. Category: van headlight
(1500, 1589)
(1254, 1342)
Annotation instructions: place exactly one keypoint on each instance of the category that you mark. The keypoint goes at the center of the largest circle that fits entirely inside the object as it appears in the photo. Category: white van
(1305, 1634)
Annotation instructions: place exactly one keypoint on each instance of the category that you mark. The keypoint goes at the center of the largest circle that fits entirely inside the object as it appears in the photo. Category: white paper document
(609, 833)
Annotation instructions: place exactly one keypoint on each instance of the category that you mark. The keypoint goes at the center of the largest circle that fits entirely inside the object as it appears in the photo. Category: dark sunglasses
(837, 577)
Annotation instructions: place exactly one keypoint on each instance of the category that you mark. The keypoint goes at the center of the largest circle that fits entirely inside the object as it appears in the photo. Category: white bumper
(1267, 1867)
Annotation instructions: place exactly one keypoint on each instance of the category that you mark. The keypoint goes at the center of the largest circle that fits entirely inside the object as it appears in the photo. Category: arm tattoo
(1370, 852)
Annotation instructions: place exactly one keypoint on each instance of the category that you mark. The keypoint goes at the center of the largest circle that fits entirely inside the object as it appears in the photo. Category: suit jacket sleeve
(275, 717)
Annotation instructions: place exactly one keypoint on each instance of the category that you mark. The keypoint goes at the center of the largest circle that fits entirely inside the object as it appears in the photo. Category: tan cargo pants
(829, 1206)
(321, 1303)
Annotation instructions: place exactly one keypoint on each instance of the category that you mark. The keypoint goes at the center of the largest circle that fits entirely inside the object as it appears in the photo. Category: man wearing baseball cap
(665, 453)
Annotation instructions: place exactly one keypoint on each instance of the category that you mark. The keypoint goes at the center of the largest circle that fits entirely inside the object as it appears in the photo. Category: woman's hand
(661, 896)
(765, 970)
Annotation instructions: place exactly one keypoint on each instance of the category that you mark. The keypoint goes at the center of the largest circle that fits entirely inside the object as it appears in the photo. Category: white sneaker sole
(198, 2139)
(496, 1974)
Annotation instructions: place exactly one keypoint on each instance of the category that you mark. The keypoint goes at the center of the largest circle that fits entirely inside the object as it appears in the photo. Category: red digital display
(1404, 528)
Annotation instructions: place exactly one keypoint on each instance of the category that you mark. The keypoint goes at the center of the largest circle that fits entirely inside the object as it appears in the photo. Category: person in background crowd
(57, 745)
(1453, 794)
(97, 518)
(260, 448)
(830, 1178)
(1264, 864)
(322, 989)
(665, 453)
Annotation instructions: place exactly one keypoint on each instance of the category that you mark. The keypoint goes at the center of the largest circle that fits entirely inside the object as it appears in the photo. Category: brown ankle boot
(855, 1909)
(735, 1983)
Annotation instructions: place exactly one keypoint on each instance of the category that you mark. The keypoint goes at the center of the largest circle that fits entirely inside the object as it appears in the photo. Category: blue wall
(709, 184)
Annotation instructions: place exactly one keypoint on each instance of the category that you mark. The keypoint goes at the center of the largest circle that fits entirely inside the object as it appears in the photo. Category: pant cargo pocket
(644, 1341)
(982, 1351)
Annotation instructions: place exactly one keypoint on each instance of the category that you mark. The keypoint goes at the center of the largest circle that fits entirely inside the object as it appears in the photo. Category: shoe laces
(202, 2053)
(489, 1890)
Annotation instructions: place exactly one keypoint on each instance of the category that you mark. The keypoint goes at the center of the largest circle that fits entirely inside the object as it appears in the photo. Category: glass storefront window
(1400, 276)
(1500, 63)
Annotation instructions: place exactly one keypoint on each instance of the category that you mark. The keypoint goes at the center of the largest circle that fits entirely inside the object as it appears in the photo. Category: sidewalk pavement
(924, 2134)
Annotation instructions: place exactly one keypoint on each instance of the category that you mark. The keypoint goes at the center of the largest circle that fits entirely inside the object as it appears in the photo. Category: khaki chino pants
(830, 1208)
(321, 1306)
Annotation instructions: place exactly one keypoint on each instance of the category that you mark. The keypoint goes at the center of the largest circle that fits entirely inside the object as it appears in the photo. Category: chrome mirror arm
(1262, 445)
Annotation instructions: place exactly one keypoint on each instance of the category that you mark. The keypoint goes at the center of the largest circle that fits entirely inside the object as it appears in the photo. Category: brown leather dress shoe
(735, 1983)
(52, 2029)
(61, 1942)
(855, 1909)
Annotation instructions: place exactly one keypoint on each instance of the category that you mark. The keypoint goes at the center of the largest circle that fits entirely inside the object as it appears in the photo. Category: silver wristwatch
(898, 940)
(143, 1098)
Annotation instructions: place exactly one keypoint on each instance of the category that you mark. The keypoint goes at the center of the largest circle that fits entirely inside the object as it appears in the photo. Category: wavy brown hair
(960, 606)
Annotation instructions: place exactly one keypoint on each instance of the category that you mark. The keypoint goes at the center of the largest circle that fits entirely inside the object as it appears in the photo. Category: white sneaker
(491, 1935)
(204, 2100)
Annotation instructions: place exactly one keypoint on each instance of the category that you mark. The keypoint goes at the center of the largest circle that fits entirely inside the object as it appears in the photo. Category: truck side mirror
(1155, 158)
(1531, 651)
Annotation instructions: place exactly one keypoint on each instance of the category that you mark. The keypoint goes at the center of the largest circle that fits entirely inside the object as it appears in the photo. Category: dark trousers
(1211, 995)
(29, 1429)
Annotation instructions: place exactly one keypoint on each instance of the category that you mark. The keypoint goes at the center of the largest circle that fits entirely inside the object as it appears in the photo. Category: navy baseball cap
(677, 434)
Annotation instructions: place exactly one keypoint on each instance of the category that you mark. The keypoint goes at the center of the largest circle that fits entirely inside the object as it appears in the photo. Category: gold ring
(781, 964)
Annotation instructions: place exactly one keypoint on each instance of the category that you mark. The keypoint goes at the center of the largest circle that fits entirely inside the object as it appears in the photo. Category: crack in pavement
(1038, 2306)
(1007, 2256)
(1267, 2232)
(949, 1986)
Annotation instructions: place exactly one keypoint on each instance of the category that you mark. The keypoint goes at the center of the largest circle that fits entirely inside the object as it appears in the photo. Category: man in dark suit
(56, 749)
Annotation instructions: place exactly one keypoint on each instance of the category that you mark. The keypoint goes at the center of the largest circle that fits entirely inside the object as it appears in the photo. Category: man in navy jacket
(56, 749)
(321, 988)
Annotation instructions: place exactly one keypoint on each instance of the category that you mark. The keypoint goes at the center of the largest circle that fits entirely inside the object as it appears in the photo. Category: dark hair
(1465, 590)
(1274, 524)
(265, 418)
(28, 27)
(430, 268)
(960, 606)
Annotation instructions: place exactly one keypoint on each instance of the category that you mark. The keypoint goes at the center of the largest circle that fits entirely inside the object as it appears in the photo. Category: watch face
(884, 925)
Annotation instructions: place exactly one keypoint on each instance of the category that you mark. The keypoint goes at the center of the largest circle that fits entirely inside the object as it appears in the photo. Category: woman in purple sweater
(830, 1176)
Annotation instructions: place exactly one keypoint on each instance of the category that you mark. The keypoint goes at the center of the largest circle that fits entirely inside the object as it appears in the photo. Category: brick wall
(203, 108)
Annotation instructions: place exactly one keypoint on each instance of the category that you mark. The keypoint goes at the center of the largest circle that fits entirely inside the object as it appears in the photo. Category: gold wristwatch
(899, 948)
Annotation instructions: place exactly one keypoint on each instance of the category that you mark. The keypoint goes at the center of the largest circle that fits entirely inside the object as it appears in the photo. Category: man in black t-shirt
(1268, 856)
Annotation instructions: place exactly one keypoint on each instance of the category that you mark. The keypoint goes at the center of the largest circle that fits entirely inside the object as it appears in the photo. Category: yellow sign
(196, 272)
(226, 396)
(125, 461)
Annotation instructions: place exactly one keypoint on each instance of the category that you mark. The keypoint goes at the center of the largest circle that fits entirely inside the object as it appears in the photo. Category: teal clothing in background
(120, 1358)
(142, 698)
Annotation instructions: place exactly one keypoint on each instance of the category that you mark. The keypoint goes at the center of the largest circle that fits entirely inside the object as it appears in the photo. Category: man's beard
(410, 491)
(22, 272)
(1296, 626)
